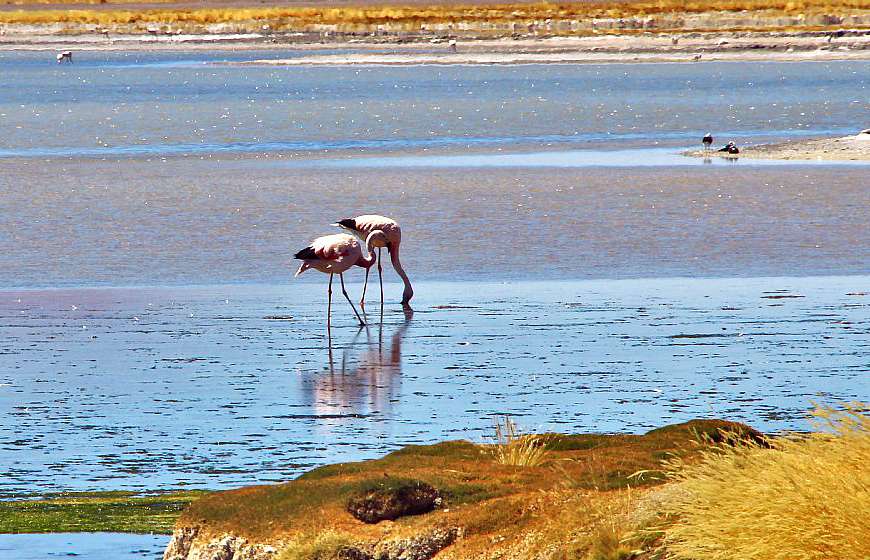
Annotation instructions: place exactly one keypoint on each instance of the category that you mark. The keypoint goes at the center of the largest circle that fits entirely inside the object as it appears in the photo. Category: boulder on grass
(392, 498)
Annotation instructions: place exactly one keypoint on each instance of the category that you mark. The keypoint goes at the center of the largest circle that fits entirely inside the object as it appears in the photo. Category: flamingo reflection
(363, 383)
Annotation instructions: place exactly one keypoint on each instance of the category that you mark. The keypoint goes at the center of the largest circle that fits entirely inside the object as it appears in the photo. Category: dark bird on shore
(707, 140)
(730, 148)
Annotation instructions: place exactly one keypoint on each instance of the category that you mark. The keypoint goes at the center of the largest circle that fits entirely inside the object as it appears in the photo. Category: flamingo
(64, 56)
(364, 225)
(335, 254)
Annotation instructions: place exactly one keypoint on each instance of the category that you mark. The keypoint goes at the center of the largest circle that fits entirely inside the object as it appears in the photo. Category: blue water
(120, 104)
(92, 546)
(637, 157)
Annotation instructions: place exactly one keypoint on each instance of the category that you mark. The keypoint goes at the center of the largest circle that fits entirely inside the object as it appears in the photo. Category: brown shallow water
(183, 221)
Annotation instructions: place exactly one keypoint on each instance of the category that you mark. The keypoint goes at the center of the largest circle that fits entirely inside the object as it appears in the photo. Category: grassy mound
(529, 509)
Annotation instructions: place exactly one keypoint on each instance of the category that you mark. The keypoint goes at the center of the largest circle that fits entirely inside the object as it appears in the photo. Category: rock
(184, 545)
(420, 547)
(390, 499)
(180, 543)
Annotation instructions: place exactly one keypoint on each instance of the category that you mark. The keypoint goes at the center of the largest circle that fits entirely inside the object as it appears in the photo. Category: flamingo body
(362, 227)
(334, 254)
(331, 254)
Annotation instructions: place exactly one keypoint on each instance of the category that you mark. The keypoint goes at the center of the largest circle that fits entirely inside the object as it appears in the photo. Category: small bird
(362, 226)
(730, 148)
(335, 254)
(707, 140)
(64, 56)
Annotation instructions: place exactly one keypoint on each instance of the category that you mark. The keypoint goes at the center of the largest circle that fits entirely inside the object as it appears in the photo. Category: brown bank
(558, 496)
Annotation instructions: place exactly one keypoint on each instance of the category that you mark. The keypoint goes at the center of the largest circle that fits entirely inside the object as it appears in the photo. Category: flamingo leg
(362, 300)
(381, 280)
(329, 307)
(347, 297)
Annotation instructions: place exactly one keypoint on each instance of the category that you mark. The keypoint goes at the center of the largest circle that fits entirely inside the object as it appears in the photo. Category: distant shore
(845, 148)
(482, 32)
(386, 51)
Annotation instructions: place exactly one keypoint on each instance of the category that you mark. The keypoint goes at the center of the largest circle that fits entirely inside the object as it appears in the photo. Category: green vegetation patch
(124, 512)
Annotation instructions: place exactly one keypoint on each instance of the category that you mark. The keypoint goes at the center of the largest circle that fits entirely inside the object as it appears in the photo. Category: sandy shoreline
(661, 47)
(846, 148)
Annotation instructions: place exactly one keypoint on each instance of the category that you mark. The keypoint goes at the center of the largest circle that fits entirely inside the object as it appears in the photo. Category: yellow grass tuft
(806, 497)
(515, 449)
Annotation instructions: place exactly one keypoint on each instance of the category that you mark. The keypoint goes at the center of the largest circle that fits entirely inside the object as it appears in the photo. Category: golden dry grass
(515, 449)
(414, 16)
(806, 498)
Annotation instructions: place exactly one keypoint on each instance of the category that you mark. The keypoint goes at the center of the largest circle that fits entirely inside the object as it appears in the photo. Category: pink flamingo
(364, 225)
(335, 254)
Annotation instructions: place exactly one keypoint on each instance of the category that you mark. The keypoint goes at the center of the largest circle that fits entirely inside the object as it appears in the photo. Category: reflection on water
(365, 378)
(154, 388)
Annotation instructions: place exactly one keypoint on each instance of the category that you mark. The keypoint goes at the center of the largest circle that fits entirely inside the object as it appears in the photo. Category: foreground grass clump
(124, 512)
(807, 497)
(514, 448)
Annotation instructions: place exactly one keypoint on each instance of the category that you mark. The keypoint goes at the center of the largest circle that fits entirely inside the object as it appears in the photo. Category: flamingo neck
(369, 258)
(408, 293)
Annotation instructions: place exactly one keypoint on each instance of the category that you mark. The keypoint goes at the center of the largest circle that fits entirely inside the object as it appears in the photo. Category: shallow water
(93, 546)
(218, 387)
(192, 221)
(115, 104)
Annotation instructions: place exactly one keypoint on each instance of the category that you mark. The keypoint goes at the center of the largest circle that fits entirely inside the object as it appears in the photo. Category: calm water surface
(113, 104)
(565, 261)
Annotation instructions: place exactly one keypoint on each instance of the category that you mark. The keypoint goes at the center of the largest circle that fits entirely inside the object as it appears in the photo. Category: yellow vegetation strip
(433, 14)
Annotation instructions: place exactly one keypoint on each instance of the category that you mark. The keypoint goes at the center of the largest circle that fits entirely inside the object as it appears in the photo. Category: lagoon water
(570, 268)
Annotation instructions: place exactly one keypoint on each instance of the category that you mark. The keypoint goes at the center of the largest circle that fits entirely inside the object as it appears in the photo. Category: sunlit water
(113, 104)
(564, 256)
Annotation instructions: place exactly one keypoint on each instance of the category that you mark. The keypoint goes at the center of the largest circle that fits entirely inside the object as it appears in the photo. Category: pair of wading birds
(335, 254)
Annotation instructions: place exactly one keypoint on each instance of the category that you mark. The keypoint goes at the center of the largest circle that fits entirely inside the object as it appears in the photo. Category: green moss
(95, 511)
(448, 449)
(561, 442)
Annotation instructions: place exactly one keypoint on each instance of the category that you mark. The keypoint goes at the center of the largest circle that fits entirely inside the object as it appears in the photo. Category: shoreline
(843, 148)
(665, 47)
